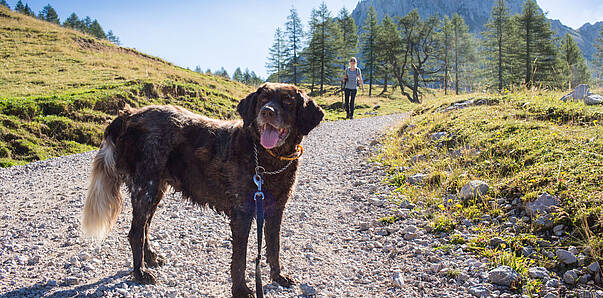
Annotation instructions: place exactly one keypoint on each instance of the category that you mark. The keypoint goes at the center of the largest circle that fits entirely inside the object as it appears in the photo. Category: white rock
(398, 280)
(593, 99)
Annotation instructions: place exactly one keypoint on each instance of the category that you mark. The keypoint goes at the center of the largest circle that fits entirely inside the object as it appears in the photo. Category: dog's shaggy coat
(211, 162)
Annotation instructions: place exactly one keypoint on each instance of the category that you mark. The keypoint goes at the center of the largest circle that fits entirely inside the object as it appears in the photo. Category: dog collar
(299, 150)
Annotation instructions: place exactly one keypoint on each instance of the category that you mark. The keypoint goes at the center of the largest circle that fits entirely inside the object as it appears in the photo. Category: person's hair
(353, 59)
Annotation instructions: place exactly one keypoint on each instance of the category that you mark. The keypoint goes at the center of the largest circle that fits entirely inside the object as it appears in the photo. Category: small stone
(550, 295)
(570, 277)
(479, 291)
(71, 281)
(474, 190)
(377, 202)
(558, 230)
(416, 178)
(33, 260)
(543, 204)
(538, 272)
(566, 257)
(527, 251)
(307, 290)
(585, 278)
(83, 256)
(594, 267)
(21, 260)
(573, 250)
(462, 277)
(552, 283)
(504, 276)
(363, 226)
(438, 135)
(122, 291)
(496, 242)
(593, 99)
(398, 280)
(381, 232)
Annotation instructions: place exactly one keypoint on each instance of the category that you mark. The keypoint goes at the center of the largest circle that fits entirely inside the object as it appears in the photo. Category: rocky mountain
(475, 12)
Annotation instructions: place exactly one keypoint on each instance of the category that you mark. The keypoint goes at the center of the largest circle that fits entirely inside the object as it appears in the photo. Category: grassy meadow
(522, 144)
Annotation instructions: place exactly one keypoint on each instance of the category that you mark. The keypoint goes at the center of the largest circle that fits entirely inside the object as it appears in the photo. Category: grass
(60, 87)
(522, 144)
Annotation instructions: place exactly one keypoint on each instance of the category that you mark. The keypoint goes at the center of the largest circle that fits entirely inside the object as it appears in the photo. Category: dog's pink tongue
(269, 137)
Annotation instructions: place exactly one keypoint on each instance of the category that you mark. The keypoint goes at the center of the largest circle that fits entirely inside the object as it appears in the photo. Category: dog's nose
(268, 112)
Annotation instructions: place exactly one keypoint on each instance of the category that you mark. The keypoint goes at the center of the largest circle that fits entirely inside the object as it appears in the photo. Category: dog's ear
(246, 107)
(308, 114)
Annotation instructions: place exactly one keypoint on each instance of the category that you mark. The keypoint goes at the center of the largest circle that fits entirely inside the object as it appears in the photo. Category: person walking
(351, 79)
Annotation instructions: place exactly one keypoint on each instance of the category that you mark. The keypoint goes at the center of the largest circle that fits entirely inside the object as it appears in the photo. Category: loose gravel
(332, 245)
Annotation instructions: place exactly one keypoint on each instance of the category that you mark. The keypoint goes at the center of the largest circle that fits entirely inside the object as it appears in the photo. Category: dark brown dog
(210, 161)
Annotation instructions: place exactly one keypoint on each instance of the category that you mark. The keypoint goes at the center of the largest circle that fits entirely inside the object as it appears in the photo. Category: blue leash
(258, 197)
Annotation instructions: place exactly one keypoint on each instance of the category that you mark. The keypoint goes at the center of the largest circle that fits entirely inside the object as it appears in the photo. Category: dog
(211, 162)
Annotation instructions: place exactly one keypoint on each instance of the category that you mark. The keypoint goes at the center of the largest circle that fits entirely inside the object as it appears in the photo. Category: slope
(59, 87)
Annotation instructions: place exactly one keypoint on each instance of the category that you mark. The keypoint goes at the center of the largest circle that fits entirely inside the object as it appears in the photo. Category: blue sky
(232, 33)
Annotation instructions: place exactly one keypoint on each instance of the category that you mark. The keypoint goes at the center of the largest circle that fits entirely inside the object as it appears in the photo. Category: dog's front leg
(272, 232)
(240, 224)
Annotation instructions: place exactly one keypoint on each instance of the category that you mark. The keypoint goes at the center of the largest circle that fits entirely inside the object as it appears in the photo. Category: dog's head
(278, 112)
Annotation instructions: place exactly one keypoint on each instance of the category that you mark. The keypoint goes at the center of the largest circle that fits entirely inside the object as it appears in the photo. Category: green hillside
(59, 87)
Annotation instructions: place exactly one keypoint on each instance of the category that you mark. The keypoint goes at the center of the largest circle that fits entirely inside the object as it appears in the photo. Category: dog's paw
(283, 281)
(144, 276)
(154, 260)
(242, 292)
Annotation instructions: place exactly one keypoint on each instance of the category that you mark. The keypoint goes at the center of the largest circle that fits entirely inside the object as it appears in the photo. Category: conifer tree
(498, 45)
(28, 11)
(3, 2)
(369, 36)
(446, 35)
(198, 69)
(574, 62)
(237, 75)
(113, 38)
(349, 36)
(294, 33)
(464, 50)
(598, 56)
(96, 30)
(388, 48)
(49, 14)
(276, 56)
(327, 44)
(73, 22)
(537, 50)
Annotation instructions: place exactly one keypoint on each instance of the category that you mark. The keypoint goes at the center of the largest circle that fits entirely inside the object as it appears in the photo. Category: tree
(73, 22)
(598, 56)
(537, 50)
(388, 48)
(24, 9)
(463, 47)
(498, 44)
(237, 75)
(28, 11)
(294, 34)
(369, 35)
(349, 36)
(49, 14)
(276, 56)
(445, 50)
(222, 72)
(198, 69)
(3, 2)
(113, 38)
(96, 30)
(574, 62)
(327, 44)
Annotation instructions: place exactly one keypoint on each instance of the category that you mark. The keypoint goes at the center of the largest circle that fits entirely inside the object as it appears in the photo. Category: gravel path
(331, 244)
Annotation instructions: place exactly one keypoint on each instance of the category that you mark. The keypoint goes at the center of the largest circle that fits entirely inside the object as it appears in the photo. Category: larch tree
(294, 34)
(349, 36)
(388, 49)
(574, 62)
(498, 45)
(276, 56)
(49, 14)
(369, 36)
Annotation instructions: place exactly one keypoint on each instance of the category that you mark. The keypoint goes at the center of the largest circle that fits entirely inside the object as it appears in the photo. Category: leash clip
(257, 179)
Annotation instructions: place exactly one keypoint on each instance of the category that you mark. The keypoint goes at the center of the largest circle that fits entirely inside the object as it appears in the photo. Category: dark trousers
(349, 102)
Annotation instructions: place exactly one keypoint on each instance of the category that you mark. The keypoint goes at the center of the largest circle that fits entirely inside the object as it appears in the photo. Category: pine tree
(237, 75)
(369, 35)
(276, 56)
(310, 57)
(3, 2)
(20, 8)
(446, 35)
(113, 38)
(463, 47)
(28, 11)
(598, 56)
(198, 69)
(294, 34)
(327, 38)
(222, 72)
(349, 36)
(574, 62)
(388, 48)
(538, 51)
(72, 22)
(49, 14)
(498, 45)
(96, 30)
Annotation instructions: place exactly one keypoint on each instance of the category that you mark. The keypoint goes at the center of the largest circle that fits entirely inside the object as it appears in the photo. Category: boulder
(570, 277)
(593, 99)
(593, 267)
(504, 276)
(474, 189)
(543, 204)
(581, 92)
(566, 257)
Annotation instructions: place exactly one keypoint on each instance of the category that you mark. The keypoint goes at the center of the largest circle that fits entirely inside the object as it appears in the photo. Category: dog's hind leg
(144, 194)
(151, 258)
(240, 224)
(272, 232)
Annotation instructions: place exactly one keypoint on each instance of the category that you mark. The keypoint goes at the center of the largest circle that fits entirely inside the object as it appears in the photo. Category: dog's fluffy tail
(104, 200)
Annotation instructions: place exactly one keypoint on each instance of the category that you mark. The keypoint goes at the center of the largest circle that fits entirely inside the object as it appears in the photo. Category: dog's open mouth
(270, 135)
